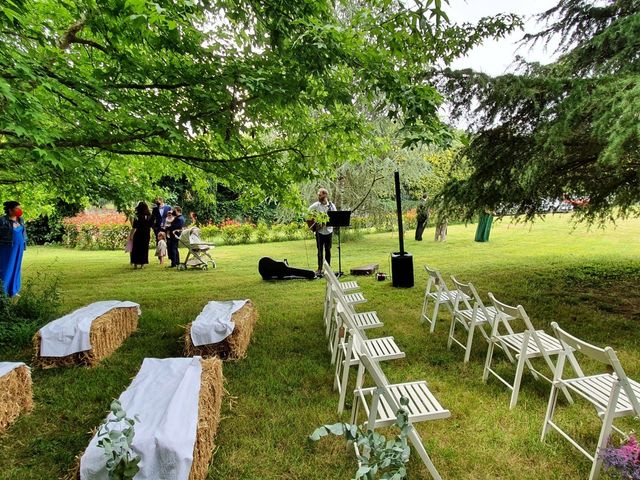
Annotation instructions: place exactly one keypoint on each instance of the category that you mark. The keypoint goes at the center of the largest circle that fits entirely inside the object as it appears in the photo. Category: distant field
(585, 280)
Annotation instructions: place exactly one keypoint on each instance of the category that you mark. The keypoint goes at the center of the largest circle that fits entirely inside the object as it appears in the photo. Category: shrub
(112, 237)
(230, 233)
(209, 231)
(21, 317)
(245, 232)
(71, 235)
(262, 232)
(292, 231)
(88, 236)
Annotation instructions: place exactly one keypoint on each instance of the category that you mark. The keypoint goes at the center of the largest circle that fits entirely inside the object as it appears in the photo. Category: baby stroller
(198, 256)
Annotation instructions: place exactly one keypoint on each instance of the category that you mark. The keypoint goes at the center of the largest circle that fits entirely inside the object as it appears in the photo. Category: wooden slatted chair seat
(480, 315)
(344, 286)
(515, 341)
(349, 286)
(355, 298)
(442, 296)
(383, 348)
(366, 320)
(422, 404)
(597, 390)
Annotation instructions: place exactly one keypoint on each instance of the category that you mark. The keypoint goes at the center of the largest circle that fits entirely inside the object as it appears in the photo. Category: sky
(494, 57)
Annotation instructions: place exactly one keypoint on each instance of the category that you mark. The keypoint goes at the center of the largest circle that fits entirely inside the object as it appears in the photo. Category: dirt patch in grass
(614, 292)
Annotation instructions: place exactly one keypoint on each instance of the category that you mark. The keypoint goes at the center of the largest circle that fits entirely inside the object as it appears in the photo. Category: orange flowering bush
(96, 229)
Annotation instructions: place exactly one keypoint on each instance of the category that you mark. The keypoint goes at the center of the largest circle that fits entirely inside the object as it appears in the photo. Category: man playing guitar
(324, 233)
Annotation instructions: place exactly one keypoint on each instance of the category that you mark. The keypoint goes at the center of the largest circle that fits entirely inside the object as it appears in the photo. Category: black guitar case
(271, 269)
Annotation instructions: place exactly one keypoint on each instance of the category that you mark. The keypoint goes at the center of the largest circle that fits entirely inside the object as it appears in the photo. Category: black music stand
(337, 219)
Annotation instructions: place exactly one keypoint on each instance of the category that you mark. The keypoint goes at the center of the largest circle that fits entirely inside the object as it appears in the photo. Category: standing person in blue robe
(13, 243)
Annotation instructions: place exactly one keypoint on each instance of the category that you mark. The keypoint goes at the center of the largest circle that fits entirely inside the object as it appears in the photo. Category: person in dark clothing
(422, 217)
(173, 233)
(141, 236)
(159, 215)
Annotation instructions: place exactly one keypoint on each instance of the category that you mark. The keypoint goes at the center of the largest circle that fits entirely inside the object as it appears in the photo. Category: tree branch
(192, 158)
(72, 37)
(84, 143)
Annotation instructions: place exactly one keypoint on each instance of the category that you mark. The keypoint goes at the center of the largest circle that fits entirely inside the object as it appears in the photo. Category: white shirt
(324, 208)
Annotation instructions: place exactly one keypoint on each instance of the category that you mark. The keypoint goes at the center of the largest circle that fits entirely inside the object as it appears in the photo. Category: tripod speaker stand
(338, 219)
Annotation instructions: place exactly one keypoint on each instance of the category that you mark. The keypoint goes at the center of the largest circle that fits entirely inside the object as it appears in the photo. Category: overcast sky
(494, 57)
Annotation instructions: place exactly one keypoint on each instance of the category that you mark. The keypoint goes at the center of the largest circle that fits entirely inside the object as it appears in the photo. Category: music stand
(337, 219)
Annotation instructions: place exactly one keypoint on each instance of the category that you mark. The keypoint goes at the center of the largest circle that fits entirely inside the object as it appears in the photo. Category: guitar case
(271, 269)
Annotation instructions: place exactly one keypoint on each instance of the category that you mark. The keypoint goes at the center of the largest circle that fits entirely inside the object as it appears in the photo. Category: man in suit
(173, 233)
(159, 215)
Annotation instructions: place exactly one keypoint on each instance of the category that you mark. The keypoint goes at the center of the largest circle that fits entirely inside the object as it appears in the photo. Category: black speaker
(402, 269)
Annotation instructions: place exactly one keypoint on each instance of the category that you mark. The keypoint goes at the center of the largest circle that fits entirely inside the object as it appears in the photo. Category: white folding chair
(525, 345)
(349, 351)
(346, 286)
(385, 402)
(361, 321)
(333, 286)
(612, 394)
(470, 312)
(438, 292)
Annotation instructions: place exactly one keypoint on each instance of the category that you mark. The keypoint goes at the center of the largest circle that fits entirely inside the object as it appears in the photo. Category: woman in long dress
(13, 242)
(141, 236)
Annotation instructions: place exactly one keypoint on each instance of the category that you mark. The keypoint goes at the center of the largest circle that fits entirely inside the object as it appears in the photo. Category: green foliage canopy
(570, 128)
(101, 98)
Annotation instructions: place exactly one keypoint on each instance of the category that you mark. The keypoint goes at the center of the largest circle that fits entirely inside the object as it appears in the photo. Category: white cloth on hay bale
(71, 334)
(165, 395)
(7, 367)
(214, 323)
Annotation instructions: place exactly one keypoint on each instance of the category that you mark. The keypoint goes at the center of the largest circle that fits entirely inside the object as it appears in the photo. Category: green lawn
(585, 280)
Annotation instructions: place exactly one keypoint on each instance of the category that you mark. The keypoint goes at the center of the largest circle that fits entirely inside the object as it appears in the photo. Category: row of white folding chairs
(612, 394)
(351, 347)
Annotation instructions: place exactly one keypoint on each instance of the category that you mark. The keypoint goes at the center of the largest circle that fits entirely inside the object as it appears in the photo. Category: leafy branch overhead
(101, 98)
(564, 130)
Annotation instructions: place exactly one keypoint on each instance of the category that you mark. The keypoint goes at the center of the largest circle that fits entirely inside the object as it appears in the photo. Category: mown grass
(585, 280)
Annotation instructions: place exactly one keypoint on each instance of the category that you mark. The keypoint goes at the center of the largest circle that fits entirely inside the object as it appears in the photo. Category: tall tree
(99, 98)
(570, 128)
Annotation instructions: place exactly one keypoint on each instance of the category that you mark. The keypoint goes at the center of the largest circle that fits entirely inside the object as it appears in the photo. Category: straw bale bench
(168, 431)
(16, 395)
(104, 334)
(233, 346)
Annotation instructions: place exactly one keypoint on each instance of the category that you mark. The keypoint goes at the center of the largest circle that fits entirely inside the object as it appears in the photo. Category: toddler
(161, 247)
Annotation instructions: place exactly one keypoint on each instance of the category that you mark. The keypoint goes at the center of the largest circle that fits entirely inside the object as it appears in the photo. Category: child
(161, 247)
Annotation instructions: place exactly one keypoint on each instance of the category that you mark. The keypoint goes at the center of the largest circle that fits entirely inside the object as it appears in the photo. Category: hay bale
(209, 406)
(107, 333)
(235, 345)
(16, 395)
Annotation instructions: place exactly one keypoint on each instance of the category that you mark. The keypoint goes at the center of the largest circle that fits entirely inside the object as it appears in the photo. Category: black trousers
(323, 242)
(422, 222)
(173, 252)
